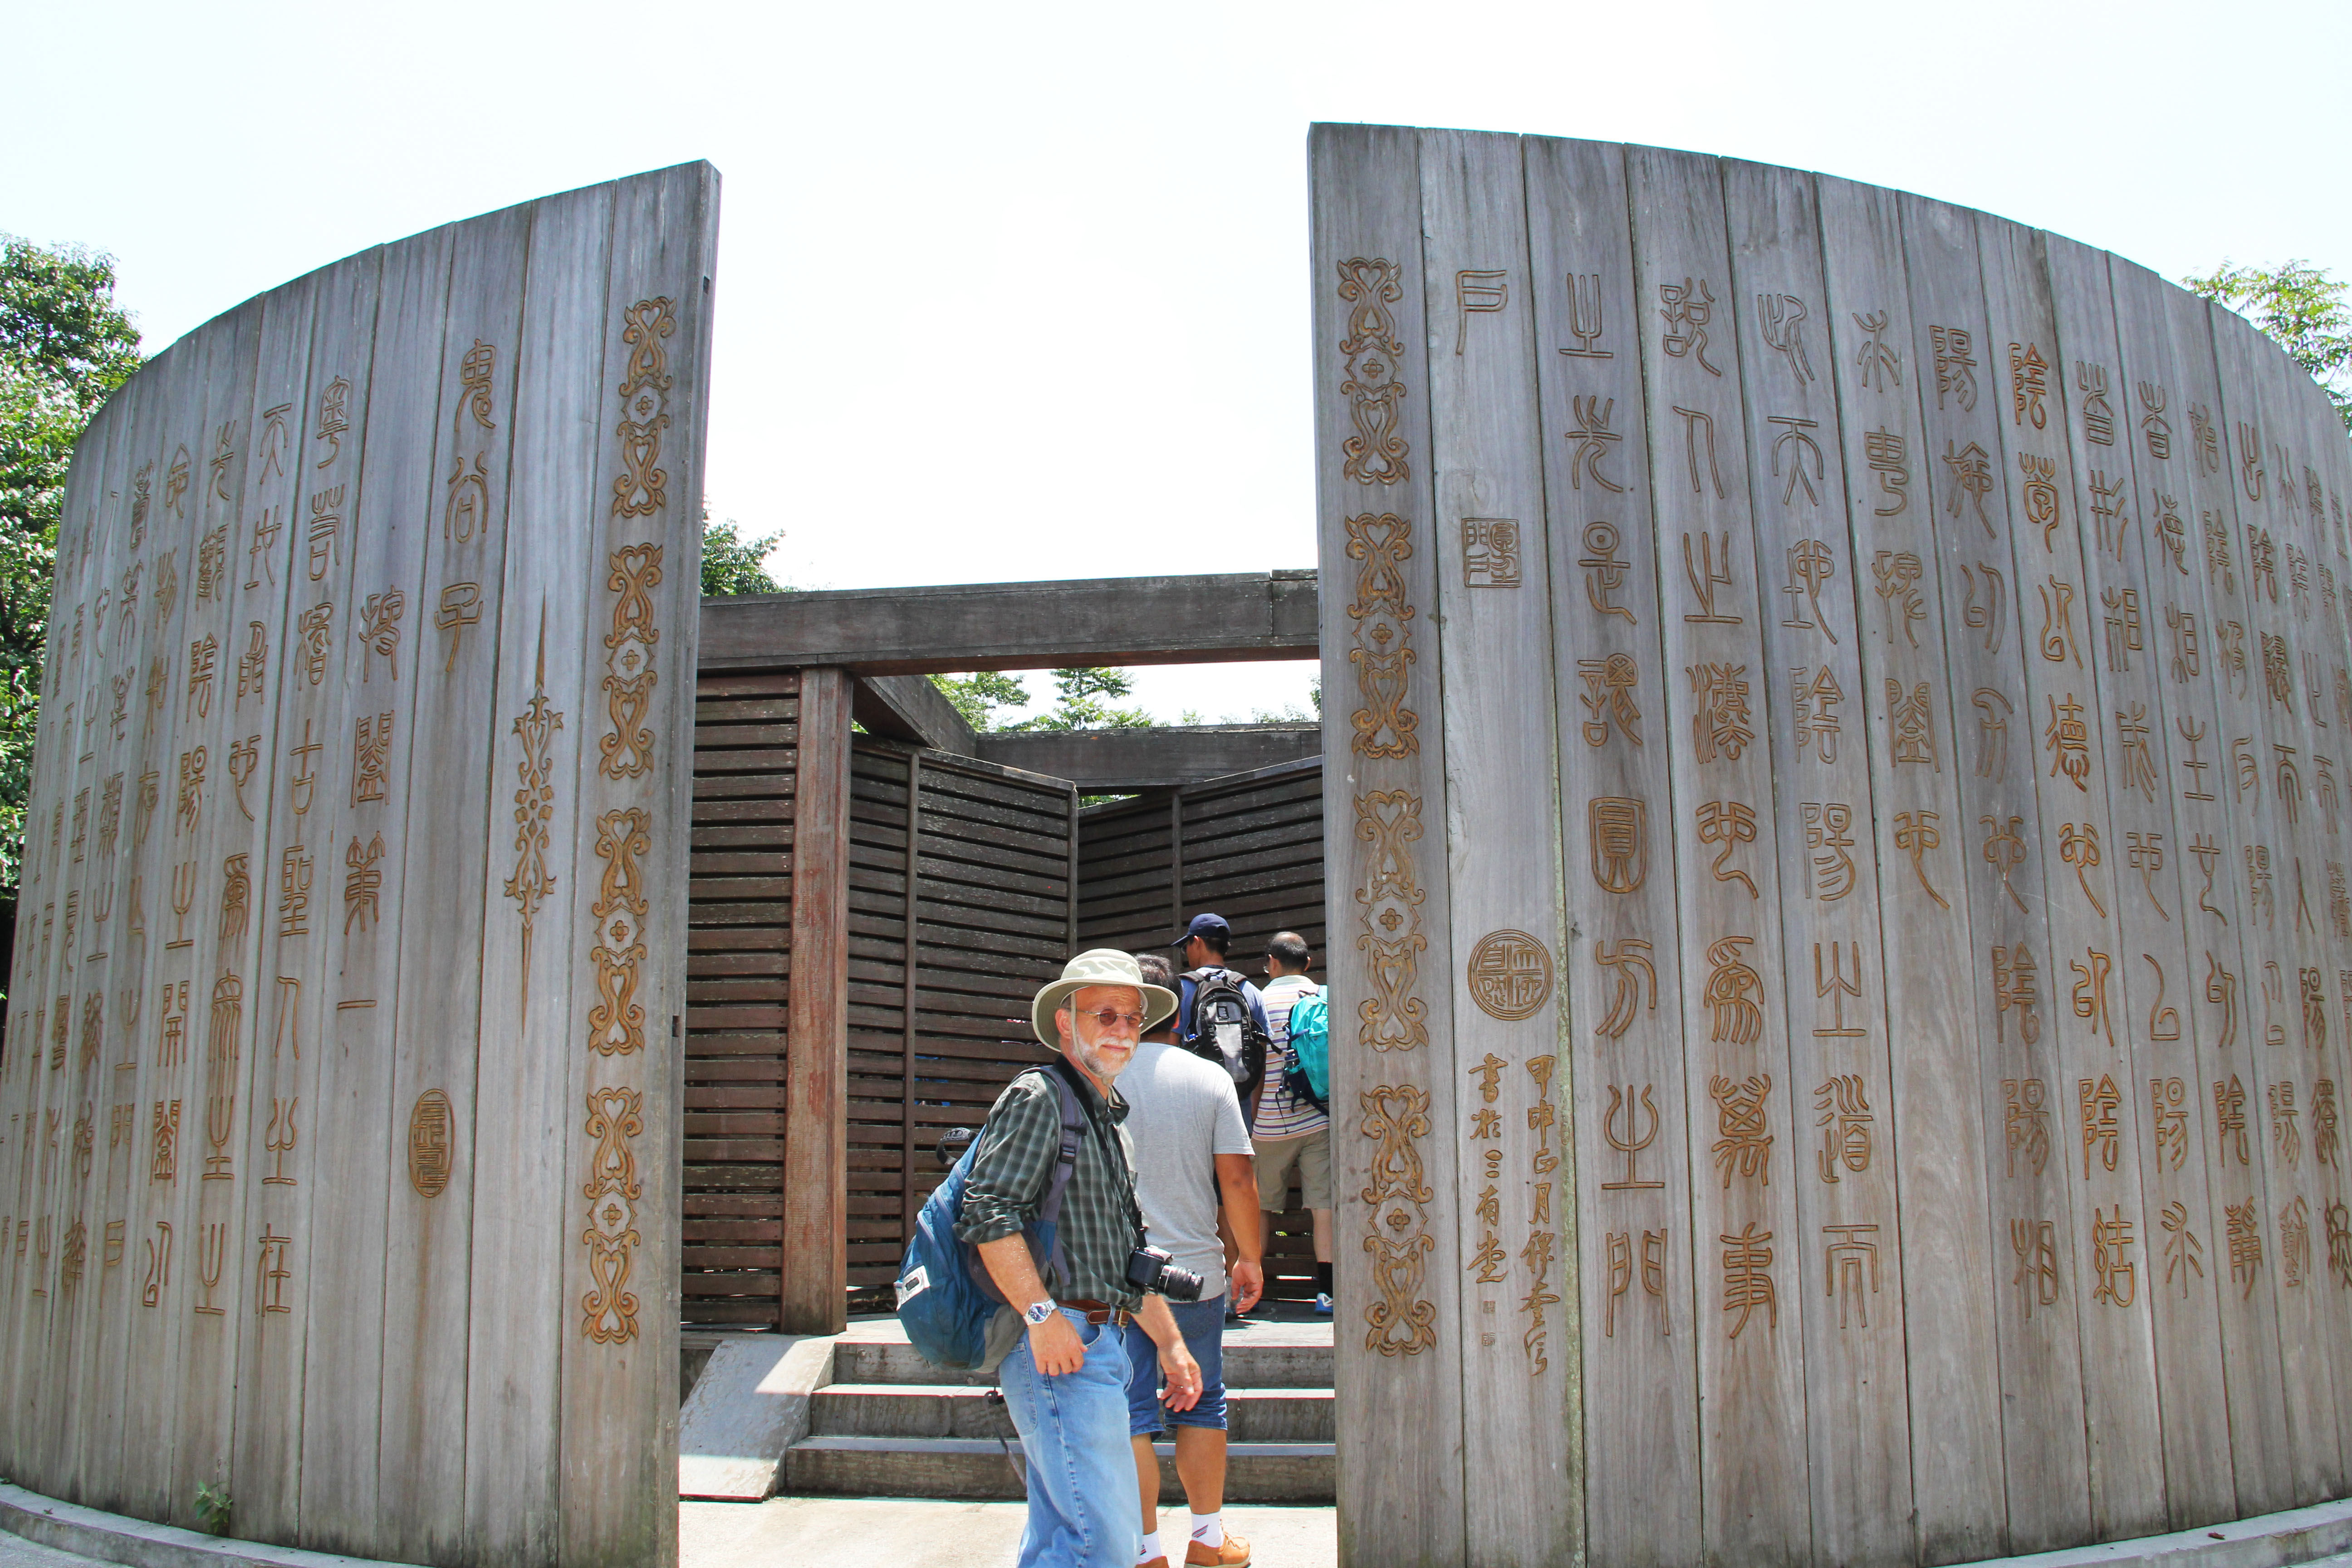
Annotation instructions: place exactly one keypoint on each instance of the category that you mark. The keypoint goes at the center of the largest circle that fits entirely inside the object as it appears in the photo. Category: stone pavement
(15, 1551)
(859, 1533)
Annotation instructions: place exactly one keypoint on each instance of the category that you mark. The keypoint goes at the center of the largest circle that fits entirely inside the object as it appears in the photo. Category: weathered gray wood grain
(1520, 1372)
(1395, 1089)
(539, 300)
(1923, 872)
(1848, 1251)
(1751, 1308)
(2040, 1361)
(1624, 1048)
(2126, 1452)
(2125, 583)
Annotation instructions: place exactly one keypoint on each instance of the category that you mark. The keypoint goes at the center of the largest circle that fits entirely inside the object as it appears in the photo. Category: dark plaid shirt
(1100, 1223)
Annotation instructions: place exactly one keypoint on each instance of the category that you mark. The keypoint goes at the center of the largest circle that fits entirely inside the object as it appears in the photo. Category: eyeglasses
(1108, 1019)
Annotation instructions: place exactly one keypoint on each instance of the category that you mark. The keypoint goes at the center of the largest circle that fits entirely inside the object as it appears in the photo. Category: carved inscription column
(1746, 1235)
(2134, 571)
(1990, 624)
(2076, 747)
(2270, 763)
(1623, 1045)
(1914, 764)
(1516, 1248)
(1833, 986)
(1397, 1093)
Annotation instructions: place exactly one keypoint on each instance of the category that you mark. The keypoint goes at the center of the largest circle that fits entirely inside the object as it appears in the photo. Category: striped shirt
(1280, 1113)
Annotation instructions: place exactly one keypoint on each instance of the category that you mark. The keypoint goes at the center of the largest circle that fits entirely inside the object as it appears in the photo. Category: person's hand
(1184, 1374)
(1055, 1346)
(1248, 1282)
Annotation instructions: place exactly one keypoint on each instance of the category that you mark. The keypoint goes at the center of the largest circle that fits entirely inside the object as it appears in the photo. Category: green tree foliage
(64, 348)
(730, 564)
(1084, 702)
(2298, 307)
(978, 697)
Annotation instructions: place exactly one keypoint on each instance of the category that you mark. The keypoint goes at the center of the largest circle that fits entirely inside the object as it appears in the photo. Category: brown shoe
(1159, 1562)
(1234, 1553)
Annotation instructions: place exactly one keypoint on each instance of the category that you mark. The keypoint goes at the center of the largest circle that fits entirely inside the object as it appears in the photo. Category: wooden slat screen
(993, 915)
(1248, 847)
(739, 966)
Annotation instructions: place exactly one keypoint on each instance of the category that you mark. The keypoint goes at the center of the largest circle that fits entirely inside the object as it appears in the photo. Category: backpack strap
(1049, 1209)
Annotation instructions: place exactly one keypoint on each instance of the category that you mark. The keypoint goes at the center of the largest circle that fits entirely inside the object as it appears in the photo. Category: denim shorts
(1203, 1324)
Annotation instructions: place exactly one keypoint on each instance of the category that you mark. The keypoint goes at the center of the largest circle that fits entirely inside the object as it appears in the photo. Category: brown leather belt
(1099, 1312)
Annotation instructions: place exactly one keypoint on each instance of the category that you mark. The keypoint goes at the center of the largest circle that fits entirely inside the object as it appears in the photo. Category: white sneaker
(1323, 1304)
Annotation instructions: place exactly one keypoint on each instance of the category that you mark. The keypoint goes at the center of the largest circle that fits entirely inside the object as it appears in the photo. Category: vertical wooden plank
(281, 1179)
(2072, 768)
(1177, 913)
(1521, 1369)
(2166, 351)
(2122, 591)
(420, 1454)
(1921, 839)
(1848, 1248)
(343, 1338)
(1397, 1079)
(815, 1258)
(511, 477)
(227, 956)
(2016, 1005)
(628, 861)
(1625, 1028)
(2259, 716)
(1754, 1441)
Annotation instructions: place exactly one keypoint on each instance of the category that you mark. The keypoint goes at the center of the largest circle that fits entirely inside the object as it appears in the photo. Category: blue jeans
(1081, 1468)
(1203, 1324)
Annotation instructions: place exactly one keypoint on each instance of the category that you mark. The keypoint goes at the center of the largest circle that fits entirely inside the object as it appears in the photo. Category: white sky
(1021, 290)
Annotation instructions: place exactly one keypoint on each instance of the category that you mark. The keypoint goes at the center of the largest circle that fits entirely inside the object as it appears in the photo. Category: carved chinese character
(1878, 364)
(361, 881)
(1747, 1277)
(1810, 564)
(2035, 1243)
(1585, 317)
(1620, 828)
(334, 419)
(1815, 696)
(2111, 1244)
(1593, 439)
(2013, 975)
(1913, 724)
(1971, 477)
(371, 757)
(1830, 872)
(1688, 309)
(1629, 962)
(1916, 833)
(1846, 1123)
(1719, 717)
(2029, 385)
(1607, 698)
(2068, 740)
(2101, 1131)
(1731, 993)
(2098, 414)
(2168, 1098)
(1955, 370)
(2152, 423)
(325, 531)
(2243, 1226)
(1781, 318)
(2041, 495)
(1885, 450)
(1708, 573)
(1729, 824)
(1490, 553)
(2057, 638)
(379, 630)
(1899, 574)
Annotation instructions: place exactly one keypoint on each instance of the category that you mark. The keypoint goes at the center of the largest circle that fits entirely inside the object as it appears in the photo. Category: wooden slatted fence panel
(738, 977)
(976, 858)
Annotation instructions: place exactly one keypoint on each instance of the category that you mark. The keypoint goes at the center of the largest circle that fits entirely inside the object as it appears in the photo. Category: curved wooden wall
(1838, 729)
(342, 1079)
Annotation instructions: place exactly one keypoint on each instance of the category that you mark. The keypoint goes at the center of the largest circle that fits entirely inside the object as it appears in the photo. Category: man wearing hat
(1066, 1383)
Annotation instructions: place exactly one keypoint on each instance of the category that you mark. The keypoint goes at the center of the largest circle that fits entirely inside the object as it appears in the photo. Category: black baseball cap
(1211, 926)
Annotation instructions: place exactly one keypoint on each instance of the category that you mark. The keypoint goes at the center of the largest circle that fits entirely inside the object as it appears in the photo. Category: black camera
(1153, 1272)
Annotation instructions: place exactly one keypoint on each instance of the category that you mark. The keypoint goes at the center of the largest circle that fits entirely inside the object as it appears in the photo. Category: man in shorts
(1191, 1147)
(1288, 1128)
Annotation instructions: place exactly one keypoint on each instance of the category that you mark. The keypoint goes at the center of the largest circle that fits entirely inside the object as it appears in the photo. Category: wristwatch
(1038, 1311)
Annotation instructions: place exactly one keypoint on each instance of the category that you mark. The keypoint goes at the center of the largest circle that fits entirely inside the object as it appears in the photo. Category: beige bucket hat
(1098, 966)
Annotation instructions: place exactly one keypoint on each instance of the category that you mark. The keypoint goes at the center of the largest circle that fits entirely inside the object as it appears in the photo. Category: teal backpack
(1309, 1073)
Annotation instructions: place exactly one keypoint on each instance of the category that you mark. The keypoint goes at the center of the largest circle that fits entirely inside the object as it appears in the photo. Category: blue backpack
(1309, 1073)
(946, 1298)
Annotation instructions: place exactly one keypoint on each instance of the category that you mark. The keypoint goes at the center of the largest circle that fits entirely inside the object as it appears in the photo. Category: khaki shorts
(1311, 1152)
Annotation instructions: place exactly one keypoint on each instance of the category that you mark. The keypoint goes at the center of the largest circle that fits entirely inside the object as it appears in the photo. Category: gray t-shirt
(1181, 1112)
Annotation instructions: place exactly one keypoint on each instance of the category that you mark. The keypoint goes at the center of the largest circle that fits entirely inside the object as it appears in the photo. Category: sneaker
(1234, 1553)
(1323, 1304)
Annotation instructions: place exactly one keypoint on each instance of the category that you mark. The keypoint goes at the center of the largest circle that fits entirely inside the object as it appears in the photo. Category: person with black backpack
(1220, 1016)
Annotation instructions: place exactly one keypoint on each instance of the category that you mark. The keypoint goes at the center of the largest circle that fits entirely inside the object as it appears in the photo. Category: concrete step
(960, 1410)
(984, 1469)
(1257, 1355)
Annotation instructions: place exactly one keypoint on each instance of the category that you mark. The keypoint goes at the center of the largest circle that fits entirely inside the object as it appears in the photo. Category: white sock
(1209, 1529)
(1150, 1548)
